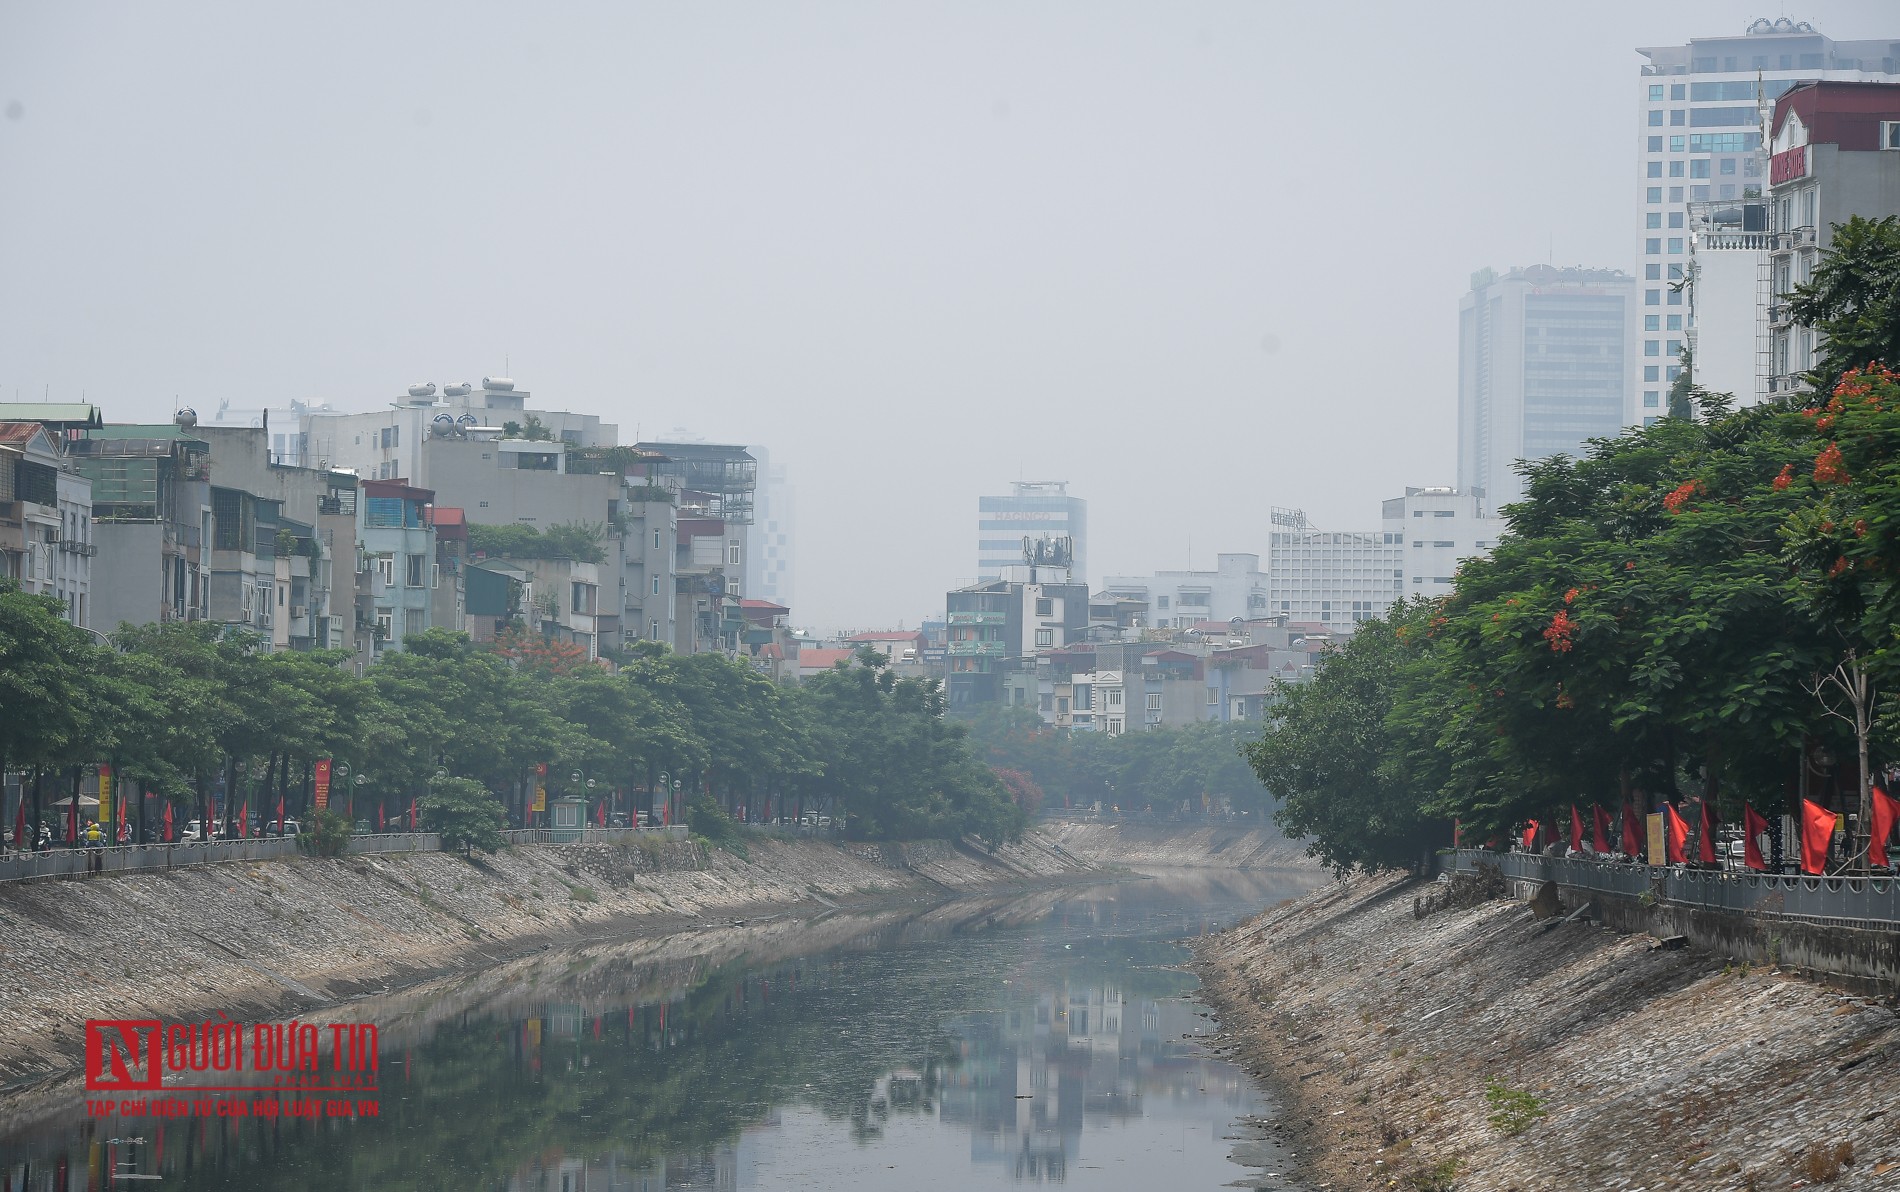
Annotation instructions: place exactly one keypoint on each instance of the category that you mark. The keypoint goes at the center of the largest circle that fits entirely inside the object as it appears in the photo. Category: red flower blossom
(1860, 527)
(1830, 468)
(1559, 633)
(1571, 596)
(1564, 700)
(1784, 478)
(1681, 494)
(1839, 568)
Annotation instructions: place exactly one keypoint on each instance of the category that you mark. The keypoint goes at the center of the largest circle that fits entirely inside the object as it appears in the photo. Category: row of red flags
(1817, 830)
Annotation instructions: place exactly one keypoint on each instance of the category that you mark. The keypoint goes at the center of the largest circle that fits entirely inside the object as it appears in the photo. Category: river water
(982, 1043)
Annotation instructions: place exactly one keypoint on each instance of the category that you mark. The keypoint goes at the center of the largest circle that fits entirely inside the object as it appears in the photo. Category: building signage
(1788, 165)
(323, 783)
(105, 794)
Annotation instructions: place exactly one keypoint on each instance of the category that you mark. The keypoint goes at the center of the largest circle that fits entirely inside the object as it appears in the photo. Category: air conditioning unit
(297, 611)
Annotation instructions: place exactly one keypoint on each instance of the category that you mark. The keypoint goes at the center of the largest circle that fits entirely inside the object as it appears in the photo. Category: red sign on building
(1788, 165)
(323, 782)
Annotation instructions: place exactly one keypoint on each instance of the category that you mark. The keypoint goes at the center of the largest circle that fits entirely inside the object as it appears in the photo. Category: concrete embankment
(268, 939)
(1223, 846)
(1482, 1048)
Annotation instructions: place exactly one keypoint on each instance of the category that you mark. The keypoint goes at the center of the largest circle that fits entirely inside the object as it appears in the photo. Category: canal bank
(986, 1041)
(1482, 1048)
(272, 938)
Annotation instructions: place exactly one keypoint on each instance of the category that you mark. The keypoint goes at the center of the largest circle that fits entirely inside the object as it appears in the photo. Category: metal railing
(1843, 901)
(590, 835)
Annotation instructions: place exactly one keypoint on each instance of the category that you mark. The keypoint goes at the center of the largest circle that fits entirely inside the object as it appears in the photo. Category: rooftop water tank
(461, 390)
(499, 384)
(422, 389)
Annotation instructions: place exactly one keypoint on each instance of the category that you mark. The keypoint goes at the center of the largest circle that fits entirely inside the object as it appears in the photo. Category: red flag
(280, 815)
(1599, 829)
(1886, 808)
(1456, 830)
(600, 813)
(72, 820)
(1676, 843)
(1576, 830)
(412, 813)
(1530, 837)
(382, 818)
(1754, 827)
(244, 820)
(1632, 830)
(19, 824)
(121, 810)
(1708, 834)
(1817, 829)
(168, 821)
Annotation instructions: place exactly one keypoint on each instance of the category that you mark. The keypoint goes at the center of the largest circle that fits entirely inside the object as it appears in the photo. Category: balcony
(1779, 314)
(978, 618)
(975, 649)
(71, 547)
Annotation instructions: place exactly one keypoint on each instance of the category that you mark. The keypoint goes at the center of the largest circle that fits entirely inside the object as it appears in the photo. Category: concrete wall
(129, 574)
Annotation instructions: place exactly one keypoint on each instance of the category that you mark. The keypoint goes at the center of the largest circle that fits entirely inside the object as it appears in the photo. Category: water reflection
(1036, 1040)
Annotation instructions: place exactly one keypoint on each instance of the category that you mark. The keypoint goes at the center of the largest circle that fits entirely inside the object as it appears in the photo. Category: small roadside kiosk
(567, 818)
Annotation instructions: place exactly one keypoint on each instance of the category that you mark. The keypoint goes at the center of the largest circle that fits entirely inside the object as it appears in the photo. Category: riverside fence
(1858, 902)
(150, 858)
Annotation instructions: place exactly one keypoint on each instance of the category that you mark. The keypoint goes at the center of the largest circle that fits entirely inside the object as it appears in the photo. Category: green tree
(464, 814)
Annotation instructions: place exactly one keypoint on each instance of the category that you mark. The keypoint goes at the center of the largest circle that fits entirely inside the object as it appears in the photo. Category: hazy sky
(1195, 258)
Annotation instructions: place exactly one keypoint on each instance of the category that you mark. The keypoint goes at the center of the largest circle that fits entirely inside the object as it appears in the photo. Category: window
(653, 630)
(1154, 701)
(1418, 513)
(1675, 348)
(413, 573)
(385, 625)
(1653, 145)
(1045, 606)
(1675, 274)
(1654, 169)
(1653, 220)
(578, 598)
(1652, 273)
(1678, 118)
(1699, 168)
(1650, 372)
(1678, 90)
(735, 554)
(1725, 142)
(1444, 512)
(1673, 371)
(656, 537)
(1675, 146)
(1890, 134)
(1728, 167)
(1675, 246)
(1675, 219)
(1443, 543)
(1675, 194)
(1675, 322)
(1655, 117)
(1675, 168)
(1652, 398)
(1655, 194)
(1045, 637)
(1653, 246)
(1417, 543)
(1652, 348)
(1161, 602)
(1655, 92)
(1652, 322)
(1114, 697)
(1651, 420)
(386, 569)
(656, 585)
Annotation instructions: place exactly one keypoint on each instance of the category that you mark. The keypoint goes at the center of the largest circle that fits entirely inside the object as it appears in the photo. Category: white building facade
(1438, 528)
(1336, 578)
(772, 536)
(1236, 587)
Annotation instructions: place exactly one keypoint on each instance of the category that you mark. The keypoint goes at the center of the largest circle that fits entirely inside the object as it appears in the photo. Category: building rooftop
(1847, 114)
(822, 659)
(65, 415)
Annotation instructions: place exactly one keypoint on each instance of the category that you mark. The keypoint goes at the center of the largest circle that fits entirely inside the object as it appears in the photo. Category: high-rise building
(1542, 368)
(1033, 509)
(771, 536)
(1699, 135)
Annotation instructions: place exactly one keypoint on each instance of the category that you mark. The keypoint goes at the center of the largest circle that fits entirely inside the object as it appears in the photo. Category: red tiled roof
(447, 515)
(783, 608)
(822, 659)
(18, 432)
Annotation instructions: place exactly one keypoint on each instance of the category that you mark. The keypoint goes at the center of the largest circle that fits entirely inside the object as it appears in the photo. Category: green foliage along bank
(187, 710)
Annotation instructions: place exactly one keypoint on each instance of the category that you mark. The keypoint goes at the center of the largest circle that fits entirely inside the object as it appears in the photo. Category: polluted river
(1043, 1038)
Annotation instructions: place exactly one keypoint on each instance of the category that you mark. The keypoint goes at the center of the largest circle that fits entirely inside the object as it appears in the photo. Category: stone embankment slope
(266, 939)
(1223, 846)
(1633, 1066)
